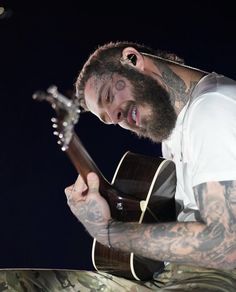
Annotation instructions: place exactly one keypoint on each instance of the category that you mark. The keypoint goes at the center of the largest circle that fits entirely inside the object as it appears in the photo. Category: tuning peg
(54, 120)
(59, 142)
(55, 126)
(39, 95)
(55, 133)
(63, 148)
(53, 90)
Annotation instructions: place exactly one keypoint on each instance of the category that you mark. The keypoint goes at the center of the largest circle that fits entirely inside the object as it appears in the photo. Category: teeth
(134, 112)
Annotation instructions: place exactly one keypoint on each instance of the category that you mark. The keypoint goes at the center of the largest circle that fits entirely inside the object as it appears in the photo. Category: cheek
(123, 95)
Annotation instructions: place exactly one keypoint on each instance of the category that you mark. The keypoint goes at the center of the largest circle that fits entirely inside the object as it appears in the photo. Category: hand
(89, 206)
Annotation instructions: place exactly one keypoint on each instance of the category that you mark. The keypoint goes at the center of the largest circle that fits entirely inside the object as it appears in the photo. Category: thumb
(93, 182)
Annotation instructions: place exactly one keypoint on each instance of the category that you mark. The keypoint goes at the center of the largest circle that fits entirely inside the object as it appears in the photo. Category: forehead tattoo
(120, 85)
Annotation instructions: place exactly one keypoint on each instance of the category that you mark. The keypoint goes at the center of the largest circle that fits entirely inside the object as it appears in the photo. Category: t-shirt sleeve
(211, 139)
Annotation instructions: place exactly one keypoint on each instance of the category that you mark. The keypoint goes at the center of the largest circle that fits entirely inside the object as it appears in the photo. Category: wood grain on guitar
(142, 189)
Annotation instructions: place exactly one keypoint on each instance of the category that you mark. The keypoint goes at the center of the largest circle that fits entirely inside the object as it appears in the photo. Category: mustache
(126, 108)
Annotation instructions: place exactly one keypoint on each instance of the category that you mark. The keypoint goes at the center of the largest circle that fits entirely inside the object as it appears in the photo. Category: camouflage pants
(175, 278)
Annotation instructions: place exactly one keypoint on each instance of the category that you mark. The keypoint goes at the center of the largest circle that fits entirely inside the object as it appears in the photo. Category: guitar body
(151, 181)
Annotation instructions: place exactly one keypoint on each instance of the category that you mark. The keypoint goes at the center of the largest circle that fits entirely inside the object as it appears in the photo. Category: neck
(179, 80)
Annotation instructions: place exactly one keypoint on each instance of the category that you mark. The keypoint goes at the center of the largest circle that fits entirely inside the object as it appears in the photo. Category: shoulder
(211, 118)
(214, 101)
(214, 83)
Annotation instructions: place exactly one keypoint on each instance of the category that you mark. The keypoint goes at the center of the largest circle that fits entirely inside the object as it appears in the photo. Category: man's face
(133, 100)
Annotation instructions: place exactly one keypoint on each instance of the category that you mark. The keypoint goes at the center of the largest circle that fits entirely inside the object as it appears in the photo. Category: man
(193, 114)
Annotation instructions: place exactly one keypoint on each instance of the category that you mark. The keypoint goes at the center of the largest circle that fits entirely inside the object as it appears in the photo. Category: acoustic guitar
(142, 189)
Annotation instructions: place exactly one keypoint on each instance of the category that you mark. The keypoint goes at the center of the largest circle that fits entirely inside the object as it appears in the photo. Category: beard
(158, 125)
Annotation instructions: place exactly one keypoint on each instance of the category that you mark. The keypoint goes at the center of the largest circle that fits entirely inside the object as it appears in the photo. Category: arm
(90, 208)
(210, 243)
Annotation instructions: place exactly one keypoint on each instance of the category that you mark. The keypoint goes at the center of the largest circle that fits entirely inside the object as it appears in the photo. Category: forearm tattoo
(211, 243)
(91, 216)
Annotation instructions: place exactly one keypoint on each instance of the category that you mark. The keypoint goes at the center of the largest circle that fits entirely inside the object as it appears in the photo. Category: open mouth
(132, 116)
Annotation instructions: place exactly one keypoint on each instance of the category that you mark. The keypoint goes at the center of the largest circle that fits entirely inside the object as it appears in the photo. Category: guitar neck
(84, 163)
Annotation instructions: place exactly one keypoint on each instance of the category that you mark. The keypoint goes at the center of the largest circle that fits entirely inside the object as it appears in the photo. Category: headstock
(67, 114)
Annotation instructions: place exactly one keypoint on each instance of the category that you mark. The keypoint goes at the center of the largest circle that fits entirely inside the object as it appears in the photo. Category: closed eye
(108, 97)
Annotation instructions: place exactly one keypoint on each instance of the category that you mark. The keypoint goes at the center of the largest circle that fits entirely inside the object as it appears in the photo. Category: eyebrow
(99, 100)
(100, 103)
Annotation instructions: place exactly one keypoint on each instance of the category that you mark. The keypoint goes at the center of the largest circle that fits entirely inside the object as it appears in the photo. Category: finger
(74, 191)
(68, 190)
(93, 182)
(80, 185)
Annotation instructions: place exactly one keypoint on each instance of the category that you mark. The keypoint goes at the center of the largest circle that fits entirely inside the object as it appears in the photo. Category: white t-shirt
(203, 142)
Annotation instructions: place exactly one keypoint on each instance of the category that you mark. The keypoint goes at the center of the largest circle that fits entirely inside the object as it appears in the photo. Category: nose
(116, 116)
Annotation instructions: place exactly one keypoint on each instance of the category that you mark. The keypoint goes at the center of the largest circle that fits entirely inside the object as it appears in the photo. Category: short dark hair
(106, 58)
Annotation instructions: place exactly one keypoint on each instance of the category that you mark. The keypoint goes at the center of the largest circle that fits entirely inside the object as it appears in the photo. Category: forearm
(189, 242)
(208, 244)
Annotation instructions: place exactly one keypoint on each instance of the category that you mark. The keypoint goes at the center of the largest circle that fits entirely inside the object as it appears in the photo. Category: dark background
(44, 43)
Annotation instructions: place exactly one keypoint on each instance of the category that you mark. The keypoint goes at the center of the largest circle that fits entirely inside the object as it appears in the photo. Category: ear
(133, 58)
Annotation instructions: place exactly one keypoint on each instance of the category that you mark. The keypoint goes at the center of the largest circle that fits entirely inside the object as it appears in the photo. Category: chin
(157, 136)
